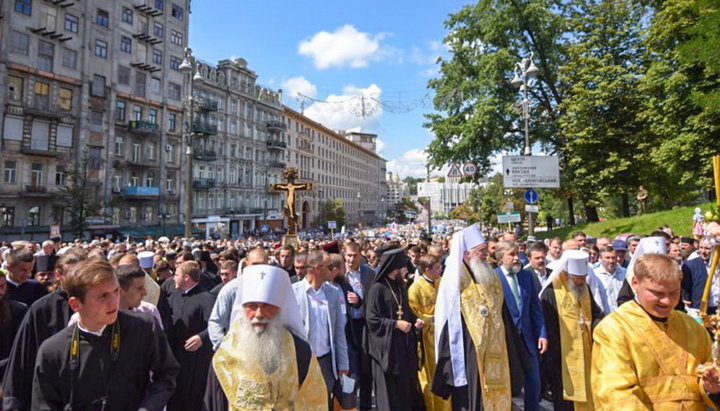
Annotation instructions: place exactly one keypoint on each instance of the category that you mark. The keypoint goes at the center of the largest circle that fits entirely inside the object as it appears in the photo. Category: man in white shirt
(606, 280)
(324, 320)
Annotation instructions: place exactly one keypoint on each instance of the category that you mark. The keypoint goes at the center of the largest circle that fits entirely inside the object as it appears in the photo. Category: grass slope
(679, 219)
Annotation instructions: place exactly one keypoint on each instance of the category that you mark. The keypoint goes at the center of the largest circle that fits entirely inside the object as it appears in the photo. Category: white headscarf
(647, 245)
(447, 305)
(269, 285)
(573, 262)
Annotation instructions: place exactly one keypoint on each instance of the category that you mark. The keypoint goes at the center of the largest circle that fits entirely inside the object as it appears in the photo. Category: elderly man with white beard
(570, 317)
(479, 360)
(265, 361)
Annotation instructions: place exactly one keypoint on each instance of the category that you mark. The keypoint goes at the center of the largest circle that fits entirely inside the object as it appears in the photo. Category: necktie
(512, 281)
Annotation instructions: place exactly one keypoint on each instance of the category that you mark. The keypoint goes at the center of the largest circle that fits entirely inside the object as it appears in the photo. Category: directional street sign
(531, 172)
(332, 224)
(454, 171)
(532, 208)
(531, 196)
(509, 217)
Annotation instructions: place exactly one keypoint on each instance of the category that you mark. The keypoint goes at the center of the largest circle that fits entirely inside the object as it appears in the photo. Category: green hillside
(679, 219)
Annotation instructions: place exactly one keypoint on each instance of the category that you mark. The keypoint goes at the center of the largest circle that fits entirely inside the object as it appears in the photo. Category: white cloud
(355, 107)
(428, 54)
(346, 46)
(299, 85)
(380, 145)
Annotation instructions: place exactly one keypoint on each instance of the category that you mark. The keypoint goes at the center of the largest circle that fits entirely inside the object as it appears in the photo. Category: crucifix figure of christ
(290, 175)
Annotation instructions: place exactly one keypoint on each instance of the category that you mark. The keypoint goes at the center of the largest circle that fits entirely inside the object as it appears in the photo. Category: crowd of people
(406, 321)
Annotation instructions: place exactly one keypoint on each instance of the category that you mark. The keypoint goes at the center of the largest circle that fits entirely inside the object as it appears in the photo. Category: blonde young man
(646, 353)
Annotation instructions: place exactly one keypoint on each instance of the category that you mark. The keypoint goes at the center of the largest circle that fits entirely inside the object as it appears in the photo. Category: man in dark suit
(695, 273)
(360, 277)
(522, 301)
(537, 254)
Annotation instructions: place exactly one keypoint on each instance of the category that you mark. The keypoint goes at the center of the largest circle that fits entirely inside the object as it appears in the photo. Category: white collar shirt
(319, 329)
(606, 287)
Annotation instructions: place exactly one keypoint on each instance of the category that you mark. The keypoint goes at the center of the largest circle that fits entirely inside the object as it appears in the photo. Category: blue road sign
(531, 196)
(264, 228)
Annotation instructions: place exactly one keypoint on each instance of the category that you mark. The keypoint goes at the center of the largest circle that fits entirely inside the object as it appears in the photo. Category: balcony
(208, 105)
(148, 9)
(204, 183)
(143, 127)
(276, 144)
(33, 190)
(276, 126)
(140, 162)
(205, 128)
(37, 151)
(201, 154)
(274, 164)
(137, 192)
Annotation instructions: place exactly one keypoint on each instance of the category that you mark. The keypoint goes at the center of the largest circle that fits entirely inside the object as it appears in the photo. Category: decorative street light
(190, 66)
(525, 69)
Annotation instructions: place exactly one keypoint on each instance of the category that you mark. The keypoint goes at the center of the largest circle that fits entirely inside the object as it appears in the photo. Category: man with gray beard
(570, 317)
(265, 361)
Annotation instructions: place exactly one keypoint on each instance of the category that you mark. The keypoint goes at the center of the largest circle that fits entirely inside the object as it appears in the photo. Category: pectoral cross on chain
(399, 312)
(582, 322)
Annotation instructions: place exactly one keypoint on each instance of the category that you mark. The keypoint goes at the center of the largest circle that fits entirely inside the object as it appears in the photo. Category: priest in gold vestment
(570, 316)
(421, 296)
(265, 362)
(646, 353)
(479, 355)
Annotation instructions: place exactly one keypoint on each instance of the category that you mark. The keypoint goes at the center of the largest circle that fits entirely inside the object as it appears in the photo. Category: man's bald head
(256, 256)
(570, 244)
(129, 259)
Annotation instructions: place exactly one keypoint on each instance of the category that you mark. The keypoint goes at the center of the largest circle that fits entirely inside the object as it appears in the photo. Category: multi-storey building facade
(92, 83)
(397, 189)
(339, 168)
(239, 149)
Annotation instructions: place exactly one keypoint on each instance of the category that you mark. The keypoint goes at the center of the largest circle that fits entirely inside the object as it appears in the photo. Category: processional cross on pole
(290, 212)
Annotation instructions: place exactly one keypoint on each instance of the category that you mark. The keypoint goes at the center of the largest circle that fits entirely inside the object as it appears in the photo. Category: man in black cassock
(11, 314)
(108, 360)
(457, 374)
(390, 337)
(45, 318)
(191, 305)
(21, 287)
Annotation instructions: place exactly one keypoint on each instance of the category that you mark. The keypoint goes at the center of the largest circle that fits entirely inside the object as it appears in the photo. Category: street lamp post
(190, 66)
(525, 69)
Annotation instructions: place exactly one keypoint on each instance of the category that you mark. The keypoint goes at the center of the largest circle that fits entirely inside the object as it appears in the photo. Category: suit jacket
(695, 274)
(528, 319)
(336, 317)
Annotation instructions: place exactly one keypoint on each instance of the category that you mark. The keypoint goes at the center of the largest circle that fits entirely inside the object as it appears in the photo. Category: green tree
(78, 198)
(412, 183)
(331, 210)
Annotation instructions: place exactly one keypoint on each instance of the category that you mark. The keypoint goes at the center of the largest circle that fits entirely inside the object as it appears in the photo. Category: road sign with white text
(510, 217)
(332, 225)
(531, 172)
(532, 208)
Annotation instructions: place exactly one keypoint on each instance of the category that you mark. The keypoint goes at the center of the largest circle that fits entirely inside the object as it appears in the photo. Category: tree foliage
(78, 198)
(331, 210)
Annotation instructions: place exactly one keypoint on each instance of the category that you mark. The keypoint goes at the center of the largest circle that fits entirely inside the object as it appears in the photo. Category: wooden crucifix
(290, 175)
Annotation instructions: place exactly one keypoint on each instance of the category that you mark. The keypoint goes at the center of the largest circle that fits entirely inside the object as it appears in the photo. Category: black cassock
(48, 316)
(215, 398)
(125, 382)
(190, 314)
(27, 292)
(8, 329)
(550, 361)
(469, 397)
(393, 353)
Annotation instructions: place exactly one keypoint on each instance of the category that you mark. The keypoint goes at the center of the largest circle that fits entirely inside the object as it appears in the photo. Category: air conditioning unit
(168, 147)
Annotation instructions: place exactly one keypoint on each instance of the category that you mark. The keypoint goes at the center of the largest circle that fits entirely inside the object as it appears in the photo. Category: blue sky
(333, 52)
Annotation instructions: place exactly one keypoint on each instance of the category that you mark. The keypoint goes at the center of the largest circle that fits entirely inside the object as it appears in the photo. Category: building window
(124, 76)
(174, 91)
(177, 12)
(42, 95)
(137, 113)
(160, 4)
(120, 110)
(69, 58)
(119, 147)
(126, 44)
(152, 116)
(158, 29)
(60, 175)
(140, 84)
(36, 174)
(136, 154)
(23, 6)
(34, 216)
(101, 48)
(8, 216)
(102, 18)
(157, 56)
(65, 99)
(19, 43)
(15, 88)
(172, 122)
(127, 15)
(175, 63)
(170, 153)
(169, 185)
(155, 85)
(151, 152)
(176, 37)
(98, 86)
(10, 172)
(71, 23)
(46, 55)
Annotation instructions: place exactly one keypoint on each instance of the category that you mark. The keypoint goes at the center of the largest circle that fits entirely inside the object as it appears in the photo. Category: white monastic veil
(447, 305)
(647, 245)
(269, 285)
